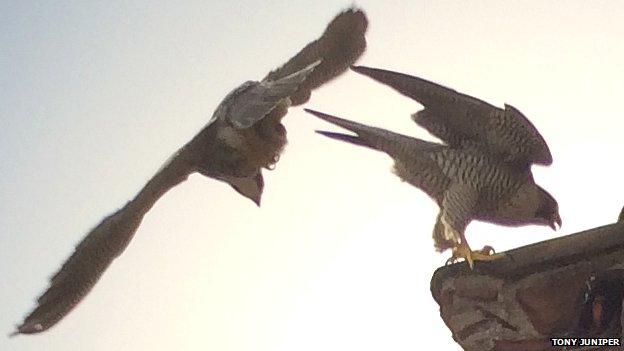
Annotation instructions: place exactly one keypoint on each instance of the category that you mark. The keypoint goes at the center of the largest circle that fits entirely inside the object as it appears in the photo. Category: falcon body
(502, 191)
(481, 172)
(243, 136)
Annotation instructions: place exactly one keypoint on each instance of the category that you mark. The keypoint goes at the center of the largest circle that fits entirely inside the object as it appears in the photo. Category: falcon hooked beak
(555, 221)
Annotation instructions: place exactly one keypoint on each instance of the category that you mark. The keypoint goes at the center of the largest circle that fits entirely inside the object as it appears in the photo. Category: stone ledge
(570, 286)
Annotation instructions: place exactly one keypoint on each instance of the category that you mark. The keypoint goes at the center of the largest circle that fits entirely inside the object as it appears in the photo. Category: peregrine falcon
(482, 172)
(243, 136)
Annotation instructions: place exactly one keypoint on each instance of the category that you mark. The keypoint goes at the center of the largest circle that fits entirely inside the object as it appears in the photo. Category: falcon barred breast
(481, 172)
(243, 136)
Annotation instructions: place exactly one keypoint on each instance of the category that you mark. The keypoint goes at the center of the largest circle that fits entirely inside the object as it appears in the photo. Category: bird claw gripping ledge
(568, 287)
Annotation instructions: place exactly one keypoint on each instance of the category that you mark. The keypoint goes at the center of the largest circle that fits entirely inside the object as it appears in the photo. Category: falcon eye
(544, 211)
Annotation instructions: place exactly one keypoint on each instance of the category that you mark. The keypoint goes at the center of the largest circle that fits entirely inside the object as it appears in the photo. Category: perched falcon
(243, 136)
(482, 172)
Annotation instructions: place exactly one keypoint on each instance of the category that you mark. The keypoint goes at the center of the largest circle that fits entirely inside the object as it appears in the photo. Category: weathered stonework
(566, 287)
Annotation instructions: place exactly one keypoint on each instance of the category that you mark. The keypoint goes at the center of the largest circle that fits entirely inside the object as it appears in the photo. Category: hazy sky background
(95, 97)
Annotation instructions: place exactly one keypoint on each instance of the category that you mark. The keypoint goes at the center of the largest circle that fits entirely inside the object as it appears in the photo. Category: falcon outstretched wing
(462, 121)
(82, 270)
(341, 44)
(99, 248)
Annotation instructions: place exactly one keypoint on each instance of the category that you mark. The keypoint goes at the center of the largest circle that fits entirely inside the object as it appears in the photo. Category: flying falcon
(243, 136)
(482, 172)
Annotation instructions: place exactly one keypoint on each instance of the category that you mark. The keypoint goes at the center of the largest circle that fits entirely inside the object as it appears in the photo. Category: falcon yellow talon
(487, 249)
(486, 256)
(470, 256)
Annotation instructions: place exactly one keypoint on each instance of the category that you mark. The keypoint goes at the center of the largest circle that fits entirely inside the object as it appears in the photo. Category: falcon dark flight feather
(244, 135)
(460, 120)
(481, 173)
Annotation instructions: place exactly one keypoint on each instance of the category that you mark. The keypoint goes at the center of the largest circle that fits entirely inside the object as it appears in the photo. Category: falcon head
(547, 212)
(250, 187)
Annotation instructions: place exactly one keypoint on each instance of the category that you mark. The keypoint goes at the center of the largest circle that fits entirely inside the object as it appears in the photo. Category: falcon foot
(487, 253)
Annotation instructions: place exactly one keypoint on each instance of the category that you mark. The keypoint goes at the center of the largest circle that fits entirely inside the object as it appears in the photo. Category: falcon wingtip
(359, 69)
(327, 117)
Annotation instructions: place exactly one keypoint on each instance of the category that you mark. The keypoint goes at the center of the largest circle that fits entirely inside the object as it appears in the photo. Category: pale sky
(94, 98)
